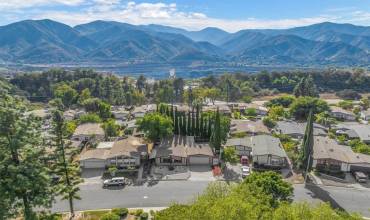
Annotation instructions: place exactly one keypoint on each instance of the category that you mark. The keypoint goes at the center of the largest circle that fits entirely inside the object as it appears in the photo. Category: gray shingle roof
(89, 129)
(266, 144)
(260, 144)
(181, 146)
(362, 131)
(292, 127)
(326, 148)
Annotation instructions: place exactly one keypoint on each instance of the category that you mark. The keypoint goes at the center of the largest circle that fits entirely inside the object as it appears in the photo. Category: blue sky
(231, 15)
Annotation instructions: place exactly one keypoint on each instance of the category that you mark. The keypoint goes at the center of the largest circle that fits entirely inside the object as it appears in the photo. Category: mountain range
(48, 41)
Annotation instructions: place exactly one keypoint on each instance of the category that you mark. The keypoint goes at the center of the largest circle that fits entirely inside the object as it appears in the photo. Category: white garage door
(93, 164)
(193, 160)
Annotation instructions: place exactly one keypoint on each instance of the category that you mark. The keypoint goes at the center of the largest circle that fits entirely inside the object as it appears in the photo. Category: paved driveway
(201, 173)
(92, 176)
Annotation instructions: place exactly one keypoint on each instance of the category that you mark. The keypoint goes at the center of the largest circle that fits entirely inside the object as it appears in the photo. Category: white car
(245, 171)
(116, 181)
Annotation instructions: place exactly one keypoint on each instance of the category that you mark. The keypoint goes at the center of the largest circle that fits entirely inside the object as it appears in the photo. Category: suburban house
(342, 114)
(88, 132)
(248, 127)
(365, 115)
(120, 114)
(354, 130)
(328, 154)
(267, 151)
(182, 150)
(296, 130)
(126, 152)
(242, 146)
(140, 111)
(69, 115)
(94, 158)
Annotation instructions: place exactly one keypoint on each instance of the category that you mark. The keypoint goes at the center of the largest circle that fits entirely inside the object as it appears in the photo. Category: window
(177, 160)
(166, 160)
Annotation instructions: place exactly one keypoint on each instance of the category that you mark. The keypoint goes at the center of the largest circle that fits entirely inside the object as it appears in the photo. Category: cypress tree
(193, 126)
(209, 130)
(179, 120)
(176, 122)
(201, 127)
(188, 127)
(307, 147)
(216, 134)
(172, 114)
(183, 123)
(197, 122)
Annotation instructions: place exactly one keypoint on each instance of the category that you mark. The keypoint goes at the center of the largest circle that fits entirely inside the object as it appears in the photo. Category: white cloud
(166, 14)
(170, 14)
(17, 4)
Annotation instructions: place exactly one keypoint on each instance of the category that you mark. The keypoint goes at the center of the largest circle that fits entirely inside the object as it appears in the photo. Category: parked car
(244, 160)
(245, 171)
(116, 181)
(360, 177)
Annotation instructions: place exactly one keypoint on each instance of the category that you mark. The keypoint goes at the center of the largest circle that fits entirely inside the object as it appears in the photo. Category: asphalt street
(164, 193)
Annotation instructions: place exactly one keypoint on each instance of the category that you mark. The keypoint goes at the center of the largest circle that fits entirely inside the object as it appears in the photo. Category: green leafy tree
(276, 112)
(270, 183)
(105, 110)
(140, 83)
(111, 129)
(268, 122)
(284, 101)
(306, 87)
(66, 93)
(155, 126)
(91, 104)
(301, 107)
(324, 118)
(65, 167)
(229, 155)
(23, 173)
(85, 95)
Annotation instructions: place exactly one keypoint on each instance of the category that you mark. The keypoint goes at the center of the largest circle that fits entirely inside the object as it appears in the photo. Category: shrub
(284, 101)
(240, 135)
(89, 118)
(251, 112)
(144, 216)
(110, 216)
(268, 122)
(138, 212)
(122, 212)
(229, 155)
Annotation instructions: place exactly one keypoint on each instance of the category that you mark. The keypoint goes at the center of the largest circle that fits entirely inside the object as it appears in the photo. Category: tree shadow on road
(320, 193)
